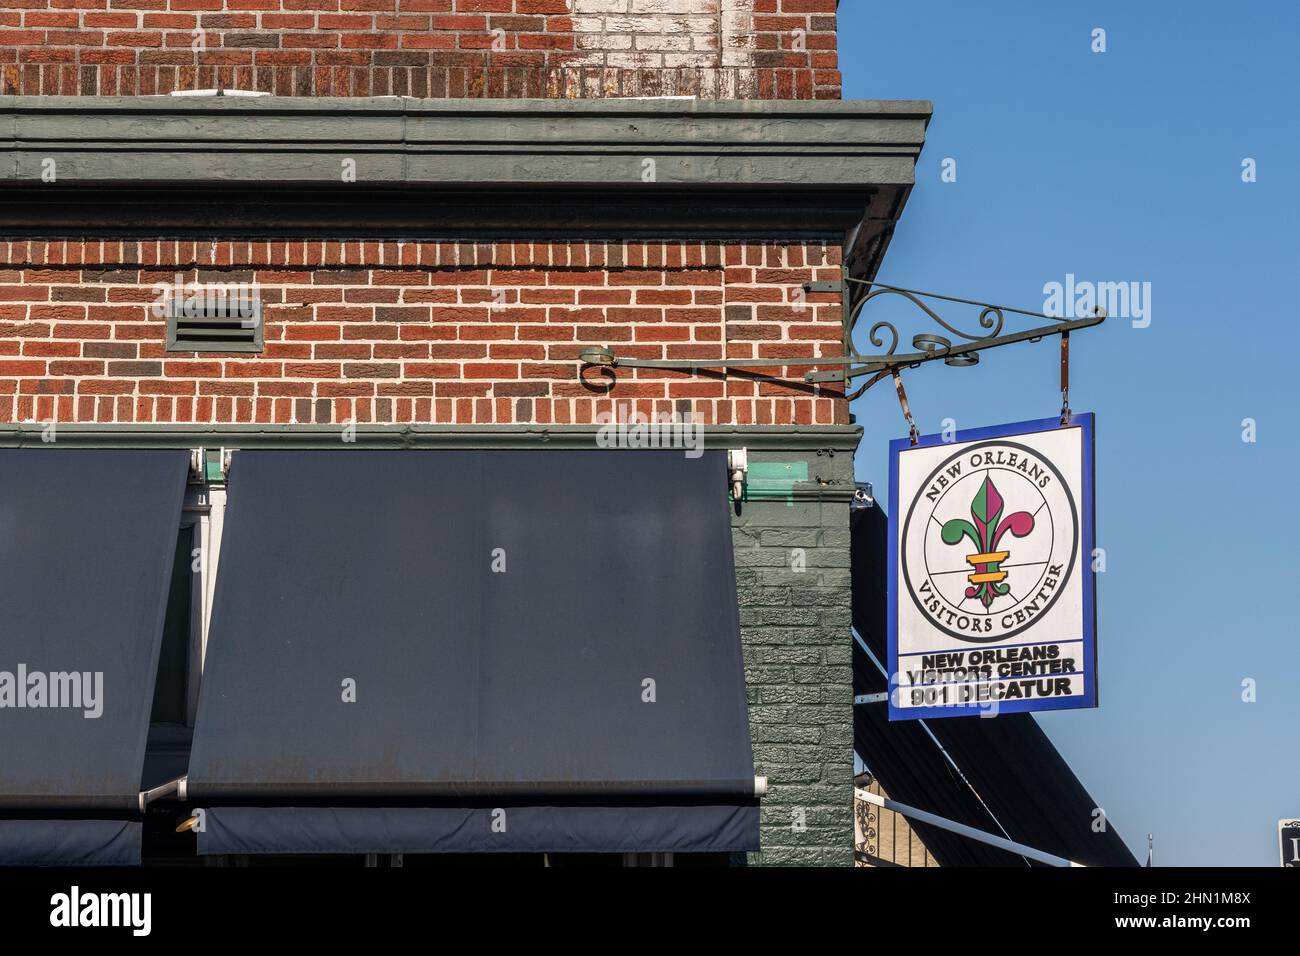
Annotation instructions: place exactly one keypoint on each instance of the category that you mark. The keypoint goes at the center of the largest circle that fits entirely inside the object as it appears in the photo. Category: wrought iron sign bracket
(954, 347)
(959, 349)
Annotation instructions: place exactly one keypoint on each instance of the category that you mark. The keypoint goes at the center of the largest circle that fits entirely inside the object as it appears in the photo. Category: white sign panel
(991, 575)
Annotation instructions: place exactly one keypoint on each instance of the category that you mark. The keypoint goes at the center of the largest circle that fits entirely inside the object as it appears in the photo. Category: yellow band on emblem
(992, 557)
(986, 577)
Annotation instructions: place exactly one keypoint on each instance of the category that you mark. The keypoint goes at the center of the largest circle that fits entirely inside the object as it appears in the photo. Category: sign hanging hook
(907, 411)
(1065, 377)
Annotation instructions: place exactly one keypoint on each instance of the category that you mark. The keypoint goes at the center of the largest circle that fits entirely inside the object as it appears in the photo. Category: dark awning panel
(526, 829)
(902, 755)
(544, 625)
(1013, 780)
(87, 539)
(70, 842)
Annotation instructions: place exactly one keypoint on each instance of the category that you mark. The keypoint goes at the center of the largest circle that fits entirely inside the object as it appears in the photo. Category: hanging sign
(991, 574)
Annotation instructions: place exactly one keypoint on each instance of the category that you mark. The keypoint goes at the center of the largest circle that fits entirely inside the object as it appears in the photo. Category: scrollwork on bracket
(884, 335)
(991, 318)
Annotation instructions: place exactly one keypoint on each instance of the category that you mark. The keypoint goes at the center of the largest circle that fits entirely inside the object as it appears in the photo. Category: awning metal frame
(944, 823)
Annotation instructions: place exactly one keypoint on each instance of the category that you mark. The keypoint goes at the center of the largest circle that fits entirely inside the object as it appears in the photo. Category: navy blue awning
(660, 828)
(87, 539)
(70, 842)
(555, 631)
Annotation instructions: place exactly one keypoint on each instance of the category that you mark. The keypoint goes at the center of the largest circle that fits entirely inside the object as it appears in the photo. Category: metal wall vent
(220, 324)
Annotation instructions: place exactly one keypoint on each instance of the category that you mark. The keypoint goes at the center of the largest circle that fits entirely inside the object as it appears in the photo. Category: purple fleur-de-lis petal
(1019, 523)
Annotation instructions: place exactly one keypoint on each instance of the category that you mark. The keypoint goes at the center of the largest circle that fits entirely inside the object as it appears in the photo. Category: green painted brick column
(791, 540)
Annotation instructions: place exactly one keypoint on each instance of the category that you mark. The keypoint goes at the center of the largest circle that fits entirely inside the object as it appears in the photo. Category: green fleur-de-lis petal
(954, 529)
(986, 509)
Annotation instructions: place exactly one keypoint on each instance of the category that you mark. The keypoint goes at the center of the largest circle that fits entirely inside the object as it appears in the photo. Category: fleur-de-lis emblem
(987, 580)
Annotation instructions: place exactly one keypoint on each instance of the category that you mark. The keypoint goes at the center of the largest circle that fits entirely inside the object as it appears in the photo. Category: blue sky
(1126, 166)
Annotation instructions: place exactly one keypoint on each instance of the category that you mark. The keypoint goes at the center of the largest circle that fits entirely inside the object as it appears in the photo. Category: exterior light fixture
(737, 469)
(863, 496)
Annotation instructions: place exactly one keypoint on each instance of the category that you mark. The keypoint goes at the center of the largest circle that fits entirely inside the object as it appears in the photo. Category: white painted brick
(707, 25)
(605, 41)
(635, 24)
(663, 43)
(663, 24)
(702, 61)
(639, 61)
(738, 23)
(632, 34)
(581, 7)
(655, 6)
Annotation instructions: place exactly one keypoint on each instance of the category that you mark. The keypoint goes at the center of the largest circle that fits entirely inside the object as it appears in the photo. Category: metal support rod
(928, 346)
(907, 411)
(870, 363)
(942, 298)
(944, 823)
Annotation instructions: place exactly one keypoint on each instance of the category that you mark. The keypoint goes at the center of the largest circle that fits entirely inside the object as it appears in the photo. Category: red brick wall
(385, 332)
(784, 49)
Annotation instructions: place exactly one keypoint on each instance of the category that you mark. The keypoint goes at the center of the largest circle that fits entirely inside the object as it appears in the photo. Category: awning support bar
(960, 828)
(170, 788)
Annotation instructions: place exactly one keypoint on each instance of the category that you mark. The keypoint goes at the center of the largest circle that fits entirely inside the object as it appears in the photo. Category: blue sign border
(1087, 520)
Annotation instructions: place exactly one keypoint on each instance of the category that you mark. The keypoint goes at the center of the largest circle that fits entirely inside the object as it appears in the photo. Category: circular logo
(989, 541)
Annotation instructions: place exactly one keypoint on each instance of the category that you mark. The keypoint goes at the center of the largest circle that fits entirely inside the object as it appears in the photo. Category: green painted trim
(827, 170)
(769, 480)
(246, 141)
(842, 439)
